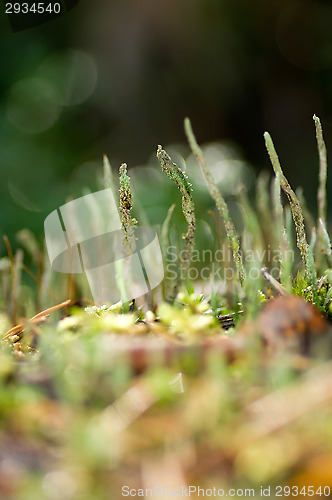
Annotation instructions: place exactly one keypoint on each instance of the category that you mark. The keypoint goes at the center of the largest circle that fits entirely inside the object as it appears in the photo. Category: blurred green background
(119, 77)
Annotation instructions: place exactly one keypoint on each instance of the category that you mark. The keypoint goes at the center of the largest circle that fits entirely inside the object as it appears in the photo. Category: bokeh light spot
(21, 198)
(228, 169)
(74, 75)
(32, 106)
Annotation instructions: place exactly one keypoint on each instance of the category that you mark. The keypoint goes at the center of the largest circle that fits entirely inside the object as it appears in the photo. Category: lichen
(294, 202)
(181, 180)
(232, 236)
(127, 222)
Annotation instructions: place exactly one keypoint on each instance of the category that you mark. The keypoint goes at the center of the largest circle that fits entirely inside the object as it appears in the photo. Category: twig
(38, 318)
(276, 285)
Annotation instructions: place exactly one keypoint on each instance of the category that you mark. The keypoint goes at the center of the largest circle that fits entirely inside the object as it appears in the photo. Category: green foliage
(89, 399)
(267, 228)
(189, 316)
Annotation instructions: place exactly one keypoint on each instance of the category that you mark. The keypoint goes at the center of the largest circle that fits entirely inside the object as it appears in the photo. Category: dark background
(119, 77)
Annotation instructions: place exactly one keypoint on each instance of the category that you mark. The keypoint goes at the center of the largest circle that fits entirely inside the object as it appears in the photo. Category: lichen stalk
(181, 180)
(127, 222)
(321, 192)
(293, 201)
(232, 236)
(321, 195)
